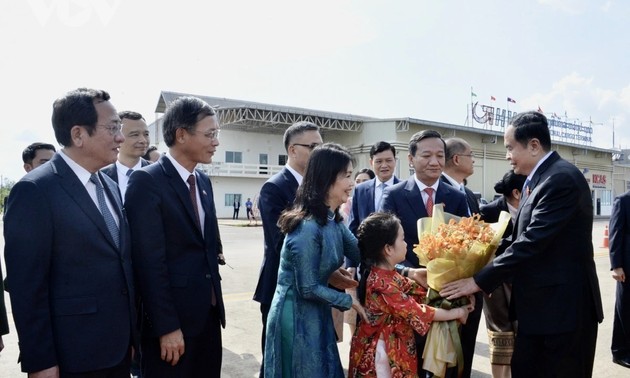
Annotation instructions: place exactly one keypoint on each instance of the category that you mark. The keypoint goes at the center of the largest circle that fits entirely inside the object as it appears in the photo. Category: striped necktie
(110, 222)
(429, 204)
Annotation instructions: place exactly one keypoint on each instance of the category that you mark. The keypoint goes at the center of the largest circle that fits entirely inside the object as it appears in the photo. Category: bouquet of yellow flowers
(452, 248)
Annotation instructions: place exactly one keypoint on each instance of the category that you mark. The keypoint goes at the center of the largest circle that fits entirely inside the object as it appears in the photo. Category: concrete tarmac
(243, 247)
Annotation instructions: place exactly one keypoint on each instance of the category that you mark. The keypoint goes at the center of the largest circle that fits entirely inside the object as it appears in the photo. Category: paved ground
(241, 338)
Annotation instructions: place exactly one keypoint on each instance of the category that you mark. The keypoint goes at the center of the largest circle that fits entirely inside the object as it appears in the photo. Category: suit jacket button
(208, 276)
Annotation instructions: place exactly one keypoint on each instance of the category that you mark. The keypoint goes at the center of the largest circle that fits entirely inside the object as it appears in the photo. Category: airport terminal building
(251, 148)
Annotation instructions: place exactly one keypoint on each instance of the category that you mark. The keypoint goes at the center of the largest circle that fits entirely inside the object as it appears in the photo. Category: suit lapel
(532, 185)
(291, 184)
(179, 187)
(371, 191)
(414, 198)
(78, 193)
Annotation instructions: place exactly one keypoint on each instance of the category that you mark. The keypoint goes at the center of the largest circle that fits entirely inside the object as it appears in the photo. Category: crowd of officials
(112, 252)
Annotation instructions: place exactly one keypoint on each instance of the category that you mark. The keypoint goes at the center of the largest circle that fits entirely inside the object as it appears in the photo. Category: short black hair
(381, 146)
(421, 135)
(529, 125)
(184, 113)
(297, 129)
(76, 108)
(509, 182)
(147, 156)
(325, 164)
(367, 171)
(128, 114)
(29, 152)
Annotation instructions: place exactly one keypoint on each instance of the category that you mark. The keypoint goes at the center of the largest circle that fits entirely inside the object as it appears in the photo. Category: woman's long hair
(325, 164)
(374, 233)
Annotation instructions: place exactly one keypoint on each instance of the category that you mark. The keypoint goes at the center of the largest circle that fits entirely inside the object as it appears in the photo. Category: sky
(407, 58)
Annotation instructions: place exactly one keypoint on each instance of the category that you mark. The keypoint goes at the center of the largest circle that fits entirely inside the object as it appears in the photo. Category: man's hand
(221, 259)
(419, 275)
(342, 279)
(619, 275)
(172, 347)
(52, 372)
(459, 288)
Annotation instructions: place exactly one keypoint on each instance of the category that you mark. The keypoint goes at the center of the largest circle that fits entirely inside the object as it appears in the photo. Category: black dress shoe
(623, 361)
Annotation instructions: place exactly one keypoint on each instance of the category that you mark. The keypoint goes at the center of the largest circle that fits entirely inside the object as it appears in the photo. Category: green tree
(5, 188)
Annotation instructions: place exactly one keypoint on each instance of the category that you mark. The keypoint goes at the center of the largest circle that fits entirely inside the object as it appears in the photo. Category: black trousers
(264, 310)
(202, 355)
(569, 354)
(620, 346)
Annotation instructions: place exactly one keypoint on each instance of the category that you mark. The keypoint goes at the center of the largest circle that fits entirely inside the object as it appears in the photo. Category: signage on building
(599, 181)
(558, 129)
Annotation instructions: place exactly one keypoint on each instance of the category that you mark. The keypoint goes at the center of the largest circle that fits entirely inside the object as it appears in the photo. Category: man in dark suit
(413, 199)
(368, 195)
(67, 250)
(619, 264)
(136, 133)
(276, 195)
(460, 161)
(460, 164)
(36, 154)
(175, 248)
(408, 199)
(555, 291)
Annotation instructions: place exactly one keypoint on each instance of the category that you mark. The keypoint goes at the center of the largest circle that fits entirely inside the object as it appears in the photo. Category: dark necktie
(429, 204)
(193, 197)
(129, 171)
(525, 190)
(107, 215)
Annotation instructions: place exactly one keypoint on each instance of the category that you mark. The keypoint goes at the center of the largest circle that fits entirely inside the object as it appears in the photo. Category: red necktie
(193, 197)
(429, 204)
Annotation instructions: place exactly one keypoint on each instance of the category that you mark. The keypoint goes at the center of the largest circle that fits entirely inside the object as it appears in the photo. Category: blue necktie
(380, 199)
(129, 171)
(525, 190)
(110, 222)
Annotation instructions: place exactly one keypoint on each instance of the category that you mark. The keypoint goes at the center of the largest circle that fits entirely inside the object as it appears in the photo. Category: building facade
(251, 149)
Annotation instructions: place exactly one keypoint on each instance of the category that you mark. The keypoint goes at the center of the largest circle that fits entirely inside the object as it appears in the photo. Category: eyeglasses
(309, 146)
(214, 134)
(112, 129)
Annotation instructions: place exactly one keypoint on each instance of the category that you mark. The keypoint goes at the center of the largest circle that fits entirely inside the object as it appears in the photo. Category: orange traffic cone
(605, 242)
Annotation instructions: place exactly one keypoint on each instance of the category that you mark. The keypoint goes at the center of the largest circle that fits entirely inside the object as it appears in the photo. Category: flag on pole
(555, 115)
(473, 94)
(565, 114)
(492, 98)
(540, 110)
(509, 99)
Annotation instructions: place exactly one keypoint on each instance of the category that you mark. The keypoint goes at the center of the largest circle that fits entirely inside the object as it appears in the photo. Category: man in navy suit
(620, 264)
(36, 154)
(67, 250)
(175, 248)
(459, 165)
(412, 199)
(408, 199)
(136, 133)
(276, 195)
(549, 256)
(368, 195)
